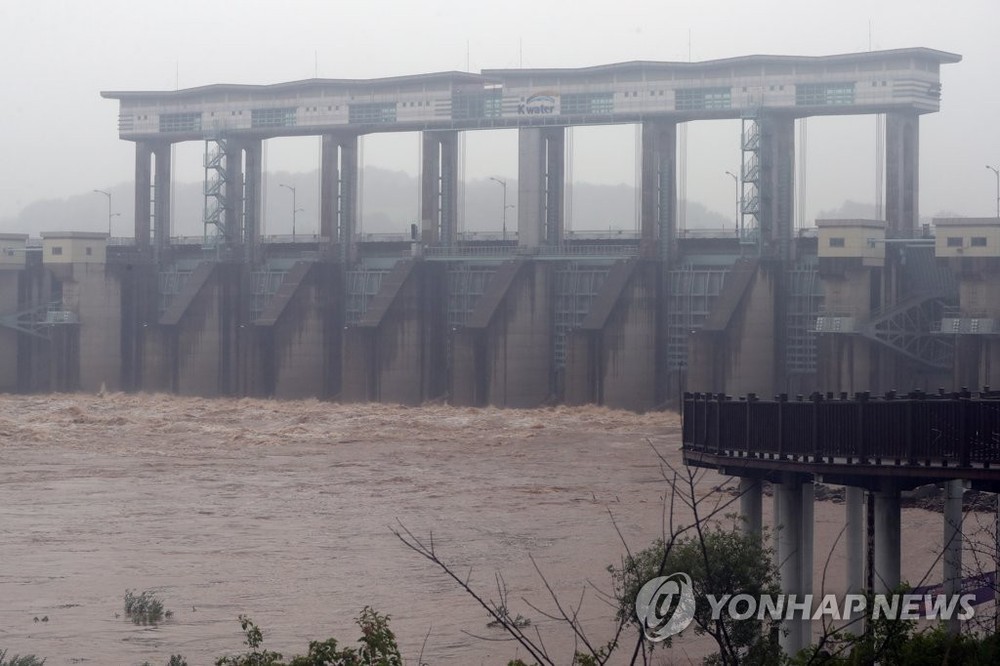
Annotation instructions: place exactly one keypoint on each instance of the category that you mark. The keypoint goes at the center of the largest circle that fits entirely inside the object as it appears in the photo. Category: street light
(294, 208)
(996, 172)
(739, 198)
(110, 214)
(503, 184)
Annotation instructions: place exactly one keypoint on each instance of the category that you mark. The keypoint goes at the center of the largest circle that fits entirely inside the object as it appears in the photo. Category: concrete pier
(854, 531)
(541, 186)
(789, 500)
(751, 505)
(952, 544)
(887, 538)
(439, 188)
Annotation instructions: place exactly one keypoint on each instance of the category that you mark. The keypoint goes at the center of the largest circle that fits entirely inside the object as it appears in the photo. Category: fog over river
(283, 511)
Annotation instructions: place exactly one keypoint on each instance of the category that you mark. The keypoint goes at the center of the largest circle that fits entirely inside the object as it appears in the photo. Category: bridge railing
(943, 429)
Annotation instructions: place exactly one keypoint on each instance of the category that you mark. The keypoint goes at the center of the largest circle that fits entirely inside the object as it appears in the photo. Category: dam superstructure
(537, 314)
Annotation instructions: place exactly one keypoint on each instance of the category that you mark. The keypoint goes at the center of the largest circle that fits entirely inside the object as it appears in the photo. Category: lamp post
(739, 198)
(996, 172)
(110, 214)
(294, 208)
(503, 184)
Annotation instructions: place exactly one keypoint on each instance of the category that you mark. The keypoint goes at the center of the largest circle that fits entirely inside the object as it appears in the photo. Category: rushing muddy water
(283, 511)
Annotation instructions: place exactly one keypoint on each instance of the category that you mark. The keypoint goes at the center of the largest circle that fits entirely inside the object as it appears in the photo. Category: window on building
(372, 112)
(836, 242)
(180, 122)
(703, 98)
(824, 94)
(89, 251)
(587, 103)
(56, 251)
(954, 241)
(978, 241)
(284, 117)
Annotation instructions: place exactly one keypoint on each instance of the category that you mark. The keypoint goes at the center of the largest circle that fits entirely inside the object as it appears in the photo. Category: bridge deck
(917, 438)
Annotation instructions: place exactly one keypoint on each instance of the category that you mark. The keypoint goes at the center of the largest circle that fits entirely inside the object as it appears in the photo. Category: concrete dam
(532, 315)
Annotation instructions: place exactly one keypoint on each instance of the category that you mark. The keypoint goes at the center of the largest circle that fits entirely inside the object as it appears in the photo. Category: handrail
(919, 429)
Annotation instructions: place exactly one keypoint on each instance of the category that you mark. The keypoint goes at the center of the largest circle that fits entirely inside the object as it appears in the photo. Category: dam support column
(161, 196)
(152, 194)
(540, 186)
(143, 183)
(902, 152)
(253, 175)
(658, 216)
(439, 188)
(339, 192)
(777, 185)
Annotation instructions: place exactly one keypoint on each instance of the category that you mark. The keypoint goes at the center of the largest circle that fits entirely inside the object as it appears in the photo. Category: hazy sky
(60, 138)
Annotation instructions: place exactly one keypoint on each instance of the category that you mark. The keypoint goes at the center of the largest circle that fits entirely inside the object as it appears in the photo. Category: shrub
(144, 608)
(18, 660)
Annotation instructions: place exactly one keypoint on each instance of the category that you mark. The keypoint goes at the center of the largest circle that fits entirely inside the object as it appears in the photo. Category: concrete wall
(299, 337)
(754, 337)
(74, 247)
(518, 340)
(977, 357)
(847, 361)
(396, 353)
(9, 288)
(628, 349)
(736, 352)
(203, 332)
(94, 294)
(611, 359)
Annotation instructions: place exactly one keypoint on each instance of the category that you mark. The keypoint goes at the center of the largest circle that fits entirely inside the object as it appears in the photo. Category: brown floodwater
(284, 511)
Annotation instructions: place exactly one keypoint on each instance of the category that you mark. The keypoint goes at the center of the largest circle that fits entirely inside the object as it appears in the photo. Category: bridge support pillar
(808, 523)
(952, 561)
(339, 192)
(751, 505)
(854, 528)
(540, 186)
(439, 188)
(789, 503)
(887, 539)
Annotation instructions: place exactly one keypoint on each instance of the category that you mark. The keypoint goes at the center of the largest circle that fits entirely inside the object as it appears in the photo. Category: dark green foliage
(897, 643)
(378, 647)
(143, 608)
(255, 657)
(18, 660)
(720, 561)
